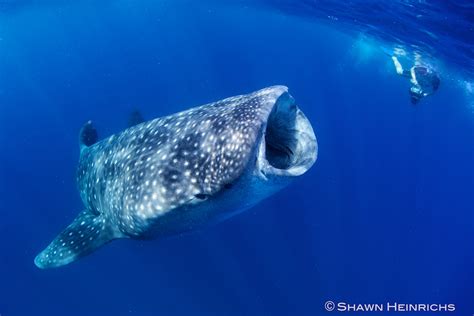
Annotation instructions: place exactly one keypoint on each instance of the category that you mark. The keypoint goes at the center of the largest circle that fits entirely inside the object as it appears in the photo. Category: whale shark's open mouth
(289, 146)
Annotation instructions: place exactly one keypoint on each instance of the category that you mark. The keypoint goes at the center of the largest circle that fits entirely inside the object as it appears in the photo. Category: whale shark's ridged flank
(184, 171)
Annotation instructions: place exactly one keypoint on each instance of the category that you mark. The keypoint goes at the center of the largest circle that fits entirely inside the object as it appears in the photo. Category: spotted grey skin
(183, 171)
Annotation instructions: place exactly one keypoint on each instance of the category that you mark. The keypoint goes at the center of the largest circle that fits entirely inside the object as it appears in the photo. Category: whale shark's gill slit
(201, 196)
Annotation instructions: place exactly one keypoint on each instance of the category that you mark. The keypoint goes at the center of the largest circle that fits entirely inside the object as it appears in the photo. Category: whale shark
(184, 171)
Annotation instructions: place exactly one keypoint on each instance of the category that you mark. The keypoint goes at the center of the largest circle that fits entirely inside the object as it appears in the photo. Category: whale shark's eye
(201, 196)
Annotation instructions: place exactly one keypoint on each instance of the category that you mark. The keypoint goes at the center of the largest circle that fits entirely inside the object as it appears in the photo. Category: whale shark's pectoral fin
(85, 234)
(135, 118)
(88, 135)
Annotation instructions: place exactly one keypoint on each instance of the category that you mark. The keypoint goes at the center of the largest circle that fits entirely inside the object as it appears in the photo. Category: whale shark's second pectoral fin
(85, 234)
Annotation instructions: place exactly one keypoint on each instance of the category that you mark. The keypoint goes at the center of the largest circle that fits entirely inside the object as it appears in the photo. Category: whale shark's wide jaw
(288, 146)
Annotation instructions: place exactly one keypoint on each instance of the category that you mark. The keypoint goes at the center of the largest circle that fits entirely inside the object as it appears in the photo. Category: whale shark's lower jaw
(288, 145)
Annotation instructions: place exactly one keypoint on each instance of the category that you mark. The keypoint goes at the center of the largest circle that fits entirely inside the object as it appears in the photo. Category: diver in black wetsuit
(424, 80)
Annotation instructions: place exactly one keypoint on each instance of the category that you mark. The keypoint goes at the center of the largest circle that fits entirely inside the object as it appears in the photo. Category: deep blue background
(386, 214)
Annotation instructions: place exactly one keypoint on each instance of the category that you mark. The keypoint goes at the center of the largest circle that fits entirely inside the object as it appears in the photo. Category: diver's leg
(398, 66)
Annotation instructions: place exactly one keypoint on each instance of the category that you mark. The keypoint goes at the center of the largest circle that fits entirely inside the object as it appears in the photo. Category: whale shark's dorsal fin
(135, 118)
(84, 235)
(88, 135)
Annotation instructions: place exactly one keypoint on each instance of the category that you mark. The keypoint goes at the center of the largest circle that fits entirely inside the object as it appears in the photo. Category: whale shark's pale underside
(183, 171)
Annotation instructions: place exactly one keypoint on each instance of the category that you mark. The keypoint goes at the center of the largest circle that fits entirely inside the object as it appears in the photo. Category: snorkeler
(424, 80)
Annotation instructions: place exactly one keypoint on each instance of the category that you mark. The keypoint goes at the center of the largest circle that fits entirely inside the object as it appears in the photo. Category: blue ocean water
(385, 215)
(432, 29)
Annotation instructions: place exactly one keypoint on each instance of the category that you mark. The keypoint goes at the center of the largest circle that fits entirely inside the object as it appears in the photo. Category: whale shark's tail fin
(84, 235)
